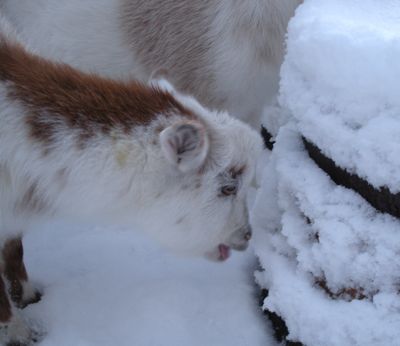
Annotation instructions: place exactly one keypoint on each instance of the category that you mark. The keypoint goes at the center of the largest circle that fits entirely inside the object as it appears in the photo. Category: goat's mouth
(224, 252)
(219, 254)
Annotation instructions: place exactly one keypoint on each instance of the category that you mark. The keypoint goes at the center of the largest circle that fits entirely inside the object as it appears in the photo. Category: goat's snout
(240, 238)
(248, 234)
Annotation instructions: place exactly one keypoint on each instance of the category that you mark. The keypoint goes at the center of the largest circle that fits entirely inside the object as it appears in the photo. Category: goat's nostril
(247, 235)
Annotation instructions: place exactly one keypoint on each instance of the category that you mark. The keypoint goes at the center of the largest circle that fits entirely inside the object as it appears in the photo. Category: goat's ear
(185, 145)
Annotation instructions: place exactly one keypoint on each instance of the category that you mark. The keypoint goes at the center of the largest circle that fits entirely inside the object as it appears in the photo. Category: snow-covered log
(329, 252)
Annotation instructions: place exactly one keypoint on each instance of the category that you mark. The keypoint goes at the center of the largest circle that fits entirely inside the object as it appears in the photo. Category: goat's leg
(5, 303)
(21, 291)
(13, 330)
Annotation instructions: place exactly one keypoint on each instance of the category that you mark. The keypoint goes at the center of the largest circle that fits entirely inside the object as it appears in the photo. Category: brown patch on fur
(14, 268)
(5, 305)
(59, 96)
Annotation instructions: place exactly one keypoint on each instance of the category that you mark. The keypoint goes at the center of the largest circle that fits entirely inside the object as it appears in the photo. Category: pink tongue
(224, 252)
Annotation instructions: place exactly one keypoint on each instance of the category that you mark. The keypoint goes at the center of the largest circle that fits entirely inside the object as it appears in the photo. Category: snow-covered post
(327, 216)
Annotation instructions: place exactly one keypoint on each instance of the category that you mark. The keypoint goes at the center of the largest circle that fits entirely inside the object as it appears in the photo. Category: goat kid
(74, 145)
(225, 53)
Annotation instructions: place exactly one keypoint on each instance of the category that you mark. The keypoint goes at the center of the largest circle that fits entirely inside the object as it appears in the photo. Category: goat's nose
(248, 234)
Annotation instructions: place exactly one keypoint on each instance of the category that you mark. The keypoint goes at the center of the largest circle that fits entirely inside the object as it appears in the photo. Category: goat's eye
(229, 190)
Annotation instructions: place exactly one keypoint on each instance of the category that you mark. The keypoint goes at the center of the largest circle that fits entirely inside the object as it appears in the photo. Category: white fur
(248, 53)
(238, 71)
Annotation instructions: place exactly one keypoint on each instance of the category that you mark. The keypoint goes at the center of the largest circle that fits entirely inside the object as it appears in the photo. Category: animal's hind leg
(20, 289)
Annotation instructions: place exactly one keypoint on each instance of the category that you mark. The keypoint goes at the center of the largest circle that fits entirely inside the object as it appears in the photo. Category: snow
(355, 249)
(329, 258)
(341, 80)
(114, 287)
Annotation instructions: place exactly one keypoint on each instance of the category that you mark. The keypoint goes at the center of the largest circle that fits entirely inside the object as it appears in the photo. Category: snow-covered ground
(331, 260)
(106, 287)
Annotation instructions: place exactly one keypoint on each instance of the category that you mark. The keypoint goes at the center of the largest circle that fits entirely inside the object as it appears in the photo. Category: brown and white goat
(78, 146)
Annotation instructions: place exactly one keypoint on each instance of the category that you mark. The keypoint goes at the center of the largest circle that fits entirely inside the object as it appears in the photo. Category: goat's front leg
(5, 303)
(13, 330)
(21, 291)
